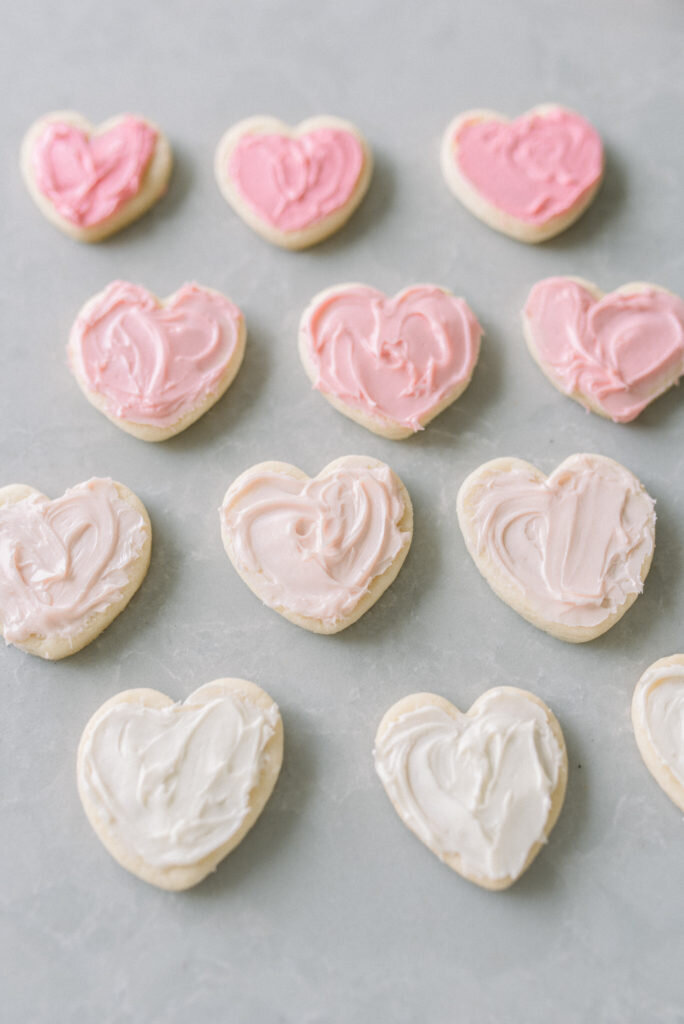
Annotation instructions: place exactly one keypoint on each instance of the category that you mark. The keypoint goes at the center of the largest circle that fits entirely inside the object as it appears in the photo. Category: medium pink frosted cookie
(390, 364)
(530, 178)
(293, 186)
(91, 181)
(613, 353)
(153, 367)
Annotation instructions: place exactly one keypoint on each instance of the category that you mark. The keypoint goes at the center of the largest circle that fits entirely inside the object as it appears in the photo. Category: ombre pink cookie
(529, 178)
(154, 367)
(391, 364)
(614, 353)
(294, 187)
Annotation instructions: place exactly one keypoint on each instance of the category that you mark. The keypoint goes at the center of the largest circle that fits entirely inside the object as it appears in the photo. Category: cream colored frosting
(660, 704)
(478, 786)
(172, 784)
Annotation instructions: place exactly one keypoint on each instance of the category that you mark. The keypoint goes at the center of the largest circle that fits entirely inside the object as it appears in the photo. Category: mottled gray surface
(331, 910)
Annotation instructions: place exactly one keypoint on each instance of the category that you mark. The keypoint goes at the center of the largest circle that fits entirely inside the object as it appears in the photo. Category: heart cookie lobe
(658, 720)
(530, 178)
(482, 789)
(154, 367)
(390, 364)
(569, 552)
(293, 186)
(92, 181)
(69, 566)
(613, 353)
(318, 550)
(170, 789)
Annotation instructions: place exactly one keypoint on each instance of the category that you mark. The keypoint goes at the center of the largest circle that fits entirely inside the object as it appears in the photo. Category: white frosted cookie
(613, 353)
(530, 178)
(482, 789)
(318, 550)
(569, 552)
(91, 181)
(658, 719)
(154, 366)
(293, 186)
(170, 789)
(390, 364)
(69, 566)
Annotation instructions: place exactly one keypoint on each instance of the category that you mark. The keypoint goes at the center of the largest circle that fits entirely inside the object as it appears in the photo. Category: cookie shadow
(601, 213)
(180, 184)
(372, 210)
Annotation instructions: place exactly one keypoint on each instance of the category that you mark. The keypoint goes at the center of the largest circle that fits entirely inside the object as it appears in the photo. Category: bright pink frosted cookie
(391, 364)
(293, 186)
(91, 181)
(612, 353)
(530, 178)
(154, 367)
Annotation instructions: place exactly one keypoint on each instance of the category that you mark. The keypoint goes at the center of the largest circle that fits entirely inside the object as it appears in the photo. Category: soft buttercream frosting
(172, 784)
(660, 705)
(480, 785)
(154, 362)
(65, 560)
(392, 358)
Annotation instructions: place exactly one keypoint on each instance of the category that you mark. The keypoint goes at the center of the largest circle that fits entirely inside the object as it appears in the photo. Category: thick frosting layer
(619, 352)
(573, 544)
(317, 544)
(534, 168)
(395, 358)
(90, 178)
(294, 182)
(172, 784)
(153, 363)
(660, 703)
(62, 561)
(477, 785)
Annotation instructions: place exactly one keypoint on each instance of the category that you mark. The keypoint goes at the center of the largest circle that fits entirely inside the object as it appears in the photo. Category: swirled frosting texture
(396, 358)
(534, 168)
(619, 352)
(478, 785)
(154, 362)
(172, 784)
(574, 543)
(88, 179)
(62, 561)
(660, 705)
(316, 545)
(293, 182)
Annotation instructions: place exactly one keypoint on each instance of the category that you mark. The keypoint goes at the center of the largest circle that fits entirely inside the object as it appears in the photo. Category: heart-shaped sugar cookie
(390, 364)
(170, 789)
(154, 367)
(612, 353)
(530, 178)
(92, 181)
(483, 789)
(658, 719)
(294, 187)
(569, 552)
(319, 550)
(68, 566)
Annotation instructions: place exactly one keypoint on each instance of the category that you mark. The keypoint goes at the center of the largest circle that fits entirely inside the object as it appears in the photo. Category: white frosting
(477, 785)
(172, 784)
(660, 703)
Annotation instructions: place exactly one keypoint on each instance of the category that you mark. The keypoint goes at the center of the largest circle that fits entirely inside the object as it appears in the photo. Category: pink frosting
(88, 179)
(153, 363)
(394, 359)
(294, 182)
(534, 168)
(63, 561)
(619, 352)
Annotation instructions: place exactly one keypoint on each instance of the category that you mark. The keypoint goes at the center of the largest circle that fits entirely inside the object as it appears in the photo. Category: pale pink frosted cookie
(68, 566)
(91, 181)
(658, 720)
(569, 552)
(293, 186)
(530, 178)
(613, 353)
(390, 364)
(154, 367)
